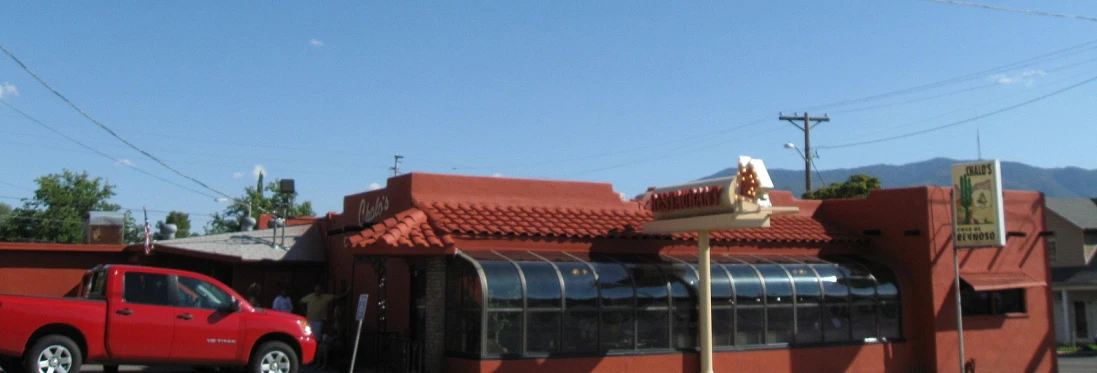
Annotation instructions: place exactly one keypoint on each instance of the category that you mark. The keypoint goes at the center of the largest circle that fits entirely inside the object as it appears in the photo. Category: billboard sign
(978, 218)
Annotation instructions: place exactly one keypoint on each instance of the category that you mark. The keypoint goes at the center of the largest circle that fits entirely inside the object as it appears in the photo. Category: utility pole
(396, 165)
(807, 139)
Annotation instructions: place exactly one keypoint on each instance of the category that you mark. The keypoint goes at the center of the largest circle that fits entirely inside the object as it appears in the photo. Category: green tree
(229, 219)
(181, 221)
(5, 213)
(858, 185)
(56, 211)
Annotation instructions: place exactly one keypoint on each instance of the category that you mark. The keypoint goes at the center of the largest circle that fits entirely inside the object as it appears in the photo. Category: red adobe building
(479, 274)
(482, 274)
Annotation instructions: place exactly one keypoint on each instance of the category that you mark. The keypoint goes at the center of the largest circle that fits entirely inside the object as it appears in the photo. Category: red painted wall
(49, 273)
(925, 266)
(896, 357)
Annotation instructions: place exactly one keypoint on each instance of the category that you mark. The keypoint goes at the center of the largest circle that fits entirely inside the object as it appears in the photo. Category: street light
(808, 166)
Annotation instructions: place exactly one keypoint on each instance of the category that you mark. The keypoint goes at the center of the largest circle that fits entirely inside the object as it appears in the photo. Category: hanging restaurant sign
(727, 202)
(977, 211)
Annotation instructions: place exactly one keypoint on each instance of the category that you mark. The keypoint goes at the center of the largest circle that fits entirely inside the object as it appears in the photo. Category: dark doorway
(1081, 327)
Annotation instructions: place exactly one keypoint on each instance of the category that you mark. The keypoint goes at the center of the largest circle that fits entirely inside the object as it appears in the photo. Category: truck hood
(279, 314)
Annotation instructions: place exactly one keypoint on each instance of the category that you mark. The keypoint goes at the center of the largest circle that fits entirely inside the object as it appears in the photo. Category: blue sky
(632, 93)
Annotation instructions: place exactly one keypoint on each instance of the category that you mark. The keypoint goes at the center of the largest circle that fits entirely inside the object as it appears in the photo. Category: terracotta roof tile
(625, 222)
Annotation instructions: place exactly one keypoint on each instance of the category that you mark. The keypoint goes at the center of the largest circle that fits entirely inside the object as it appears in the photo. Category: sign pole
(956, 283)
(360, 315)
(706, 301)
(959, 309)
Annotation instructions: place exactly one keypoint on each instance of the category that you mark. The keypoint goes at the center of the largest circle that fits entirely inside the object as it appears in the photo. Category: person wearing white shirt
(282, 302)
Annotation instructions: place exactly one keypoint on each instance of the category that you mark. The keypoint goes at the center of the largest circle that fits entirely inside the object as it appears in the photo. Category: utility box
(105, 227)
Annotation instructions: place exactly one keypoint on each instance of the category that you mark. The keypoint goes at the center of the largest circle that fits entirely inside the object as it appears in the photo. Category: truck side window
(195, 293)
(146, 288)
(97, 285)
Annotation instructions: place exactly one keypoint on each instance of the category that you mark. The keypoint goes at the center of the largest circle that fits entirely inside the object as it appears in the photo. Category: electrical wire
(1079, 48)
(96, 151)
(1016, 10)
(104, 127)
(953, 124)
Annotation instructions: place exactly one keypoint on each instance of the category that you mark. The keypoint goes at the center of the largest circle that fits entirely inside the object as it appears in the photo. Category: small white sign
(362, 299)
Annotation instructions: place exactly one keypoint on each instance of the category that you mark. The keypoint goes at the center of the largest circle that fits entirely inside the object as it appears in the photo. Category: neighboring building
(485, 274)
(1074, 273)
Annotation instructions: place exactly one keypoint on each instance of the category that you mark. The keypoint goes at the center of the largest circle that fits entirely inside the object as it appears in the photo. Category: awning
(988, 281)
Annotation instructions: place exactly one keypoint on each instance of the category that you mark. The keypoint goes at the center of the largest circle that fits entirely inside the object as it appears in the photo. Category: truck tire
(53, 354)
(273, 357)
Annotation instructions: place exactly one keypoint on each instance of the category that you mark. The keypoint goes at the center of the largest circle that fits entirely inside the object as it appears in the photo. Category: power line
(1016, 10)
(691, 149)
(96, 151)
(977, 117)
(966, 108)
(14, 185)
(1089, 45)
(950, 93)
(104, 127)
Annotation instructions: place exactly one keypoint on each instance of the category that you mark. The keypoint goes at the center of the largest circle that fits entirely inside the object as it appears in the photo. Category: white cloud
(1026, 77)
(8, 89)
(258, 170)
(125, 162)
(497, 175)
(237, 175)
(316, 43)
(374, 186)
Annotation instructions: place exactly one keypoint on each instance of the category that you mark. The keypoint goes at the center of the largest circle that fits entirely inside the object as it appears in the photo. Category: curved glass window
(809, 307)
(683, 289)
(614, 285)
(538, 304)
(542, 284)
(504, 285)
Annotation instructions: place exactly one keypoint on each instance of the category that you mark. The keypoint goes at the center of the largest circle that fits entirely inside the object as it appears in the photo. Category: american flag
(148, 233)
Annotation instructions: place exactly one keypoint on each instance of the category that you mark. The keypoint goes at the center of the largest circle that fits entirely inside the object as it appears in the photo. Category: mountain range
(1054, 182)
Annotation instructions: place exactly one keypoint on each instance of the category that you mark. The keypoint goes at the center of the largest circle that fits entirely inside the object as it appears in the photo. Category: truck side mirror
(229, 307)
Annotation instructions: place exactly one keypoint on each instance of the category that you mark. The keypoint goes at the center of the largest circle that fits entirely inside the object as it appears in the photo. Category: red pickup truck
(142, 315)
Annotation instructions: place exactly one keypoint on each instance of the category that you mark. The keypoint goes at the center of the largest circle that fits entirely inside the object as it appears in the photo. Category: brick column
(434, 344)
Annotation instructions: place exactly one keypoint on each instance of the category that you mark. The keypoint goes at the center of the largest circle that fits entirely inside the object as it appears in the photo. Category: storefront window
(543, 285)
(809, 296)
(504, 286)
(628, 303)
(544, 331)
(504, 333)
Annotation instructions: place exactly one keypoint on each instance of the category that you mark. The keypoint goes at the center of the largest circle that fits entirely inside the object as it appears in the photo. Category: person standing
(253, 294)
(318, 306)
(282, 302)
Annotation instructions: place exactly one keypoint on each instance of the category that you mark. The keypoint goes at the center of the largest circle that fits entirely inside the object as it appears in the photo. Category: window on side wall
(996, 302)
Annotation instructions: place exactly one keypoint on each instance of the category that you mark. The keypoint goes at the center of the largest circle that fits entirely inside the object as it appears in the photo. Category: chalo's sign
(746, 191)
(978, 215)
(369, 212)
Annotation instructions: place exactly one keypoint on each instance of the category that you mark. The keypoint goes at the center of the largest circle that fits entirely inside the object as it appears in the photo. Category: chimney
(104, 227)
(167, 231)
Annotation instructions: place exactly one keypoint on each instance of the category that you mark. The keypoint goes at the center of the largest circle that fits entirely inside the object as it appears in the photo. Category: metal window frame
(844, 269)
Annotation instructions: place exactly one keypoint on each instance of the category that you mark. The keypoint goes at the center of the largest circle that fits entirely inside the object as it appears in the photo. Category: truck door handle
(124, 311)
(185, 316)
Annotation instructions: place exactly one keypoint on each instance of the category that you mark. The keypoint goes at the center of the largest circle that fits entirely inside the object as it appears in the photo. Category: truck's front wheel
(273, 357)
(53, 354)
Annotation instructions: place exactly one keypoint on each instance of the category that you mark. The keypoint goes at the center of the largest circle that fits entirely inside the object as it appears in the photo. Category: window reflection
(625, 303)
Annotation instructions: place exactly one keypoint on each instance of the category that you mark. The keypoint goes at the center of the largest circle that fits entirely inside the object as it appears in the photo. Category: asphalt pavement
(1078, 363)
